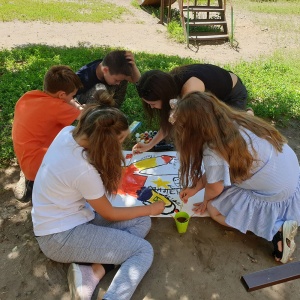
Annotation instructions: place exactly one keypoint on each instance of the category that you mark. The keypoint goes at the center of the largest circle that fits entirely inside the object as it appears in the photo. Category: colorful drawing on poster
(153, 176)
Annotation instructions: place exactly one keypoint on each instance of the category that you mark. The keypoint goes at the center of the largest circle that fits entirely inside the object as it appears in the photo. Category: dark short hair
(117, 63)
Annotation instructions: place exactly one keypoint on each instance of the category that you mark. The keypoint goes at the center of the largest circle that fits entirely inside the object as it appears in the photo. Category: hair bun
(103, 98)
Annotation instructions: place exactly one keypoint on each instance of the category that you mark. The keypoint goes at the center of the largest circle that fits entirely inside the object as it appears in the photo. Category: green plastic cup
(182, 221)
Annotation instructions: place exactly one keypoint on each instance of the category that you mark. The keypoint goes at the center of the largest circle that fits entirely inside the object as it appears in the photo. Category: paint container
(182, 221)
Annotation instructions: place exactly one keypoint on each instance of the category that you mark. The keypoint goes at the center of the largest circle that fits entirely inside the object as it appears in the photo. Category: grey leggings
(101, 241)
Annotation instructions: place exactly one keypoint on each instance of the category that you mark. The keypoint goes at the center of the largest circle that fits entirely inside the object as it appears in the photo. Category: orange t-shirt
(38, 118)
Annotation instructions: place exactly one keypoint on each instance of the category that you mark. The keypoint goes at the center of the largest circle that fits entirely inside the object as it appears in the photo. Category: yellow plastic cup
(182, 221)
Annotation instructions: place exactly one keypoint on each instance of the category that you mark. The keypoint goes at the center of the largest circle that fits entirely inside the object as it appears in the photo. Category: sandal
(286, 236)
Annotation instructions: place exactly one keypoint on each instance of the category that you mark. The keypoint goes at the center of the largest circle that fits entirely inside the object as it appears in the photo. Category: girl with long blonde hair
(249, 173)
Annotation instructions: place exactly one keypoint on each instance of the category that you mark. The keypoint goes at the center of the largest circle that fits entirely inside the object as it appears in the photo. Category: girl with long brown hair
(249, 173)
(73, 220)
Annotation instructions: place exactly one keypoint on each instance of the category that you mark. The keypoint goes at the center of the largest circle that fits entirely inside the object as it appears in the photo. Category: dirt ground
(204, 263)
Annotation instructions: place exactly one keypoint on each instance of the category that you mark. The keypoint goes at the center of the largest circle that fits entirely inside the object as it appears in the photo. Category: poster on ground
(153, 176)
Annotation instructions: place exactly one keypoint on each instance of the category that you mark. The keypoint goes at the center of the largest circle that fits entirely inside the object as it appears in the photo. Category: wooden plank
(202, 9)
(271, 276)
(210, 22)
(206, 36)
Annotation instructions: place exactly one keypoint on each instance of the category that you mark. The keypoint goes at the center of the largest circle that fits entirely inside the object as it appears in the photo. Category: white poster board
(152, 176)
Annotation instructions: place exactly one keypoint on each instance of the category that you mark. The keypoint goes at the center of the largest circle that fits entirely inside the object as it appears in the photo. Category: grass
(273, 83)
(277, 15)
(277, 7)
(59, 10)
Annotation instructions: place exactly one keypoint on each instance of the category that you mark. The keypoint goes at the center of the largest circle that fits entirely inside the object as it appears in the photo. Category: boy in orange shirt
(38, 118)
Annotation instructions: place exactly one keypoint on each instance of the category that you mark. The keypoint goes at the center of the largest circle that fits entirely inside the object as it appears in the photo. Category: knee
(145, 253)
(147, 222)
(148, 253)
(145, 225)
(211, 210)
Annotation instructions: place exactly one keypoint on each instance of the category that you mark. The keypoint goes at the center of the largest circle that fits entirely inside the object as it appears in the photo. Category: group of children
(251, 177)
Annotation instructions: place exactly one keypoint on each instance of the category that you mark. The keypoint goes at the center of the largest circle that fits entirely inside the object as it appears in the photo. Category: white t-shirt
(63, 183)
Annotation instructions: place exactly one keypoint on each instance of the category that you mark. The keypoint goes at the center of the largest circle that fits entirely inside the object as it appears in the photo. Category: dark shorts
(238, 96)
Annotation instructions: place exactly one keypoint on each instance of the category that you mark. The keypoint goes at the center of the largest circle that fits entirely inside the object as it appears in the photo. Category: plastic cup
(182, 221)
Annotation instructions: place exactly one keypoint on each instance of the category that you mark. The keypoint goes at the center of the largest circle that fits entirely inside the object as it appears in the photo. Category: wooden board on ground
(271, 276)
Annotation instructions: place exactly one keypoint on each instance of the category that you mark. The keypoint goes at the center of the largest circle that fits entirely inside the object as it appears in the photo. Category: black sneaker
(23, 189)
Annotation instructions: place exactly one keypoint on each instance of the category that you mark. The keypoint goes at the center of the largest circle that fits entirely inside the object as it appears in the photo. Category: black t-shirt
(216, 80)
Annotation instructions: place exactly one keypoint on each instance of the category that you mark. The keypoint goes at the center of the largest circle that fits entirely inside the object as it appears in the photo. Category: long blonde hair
(102, 125)
(201, 119)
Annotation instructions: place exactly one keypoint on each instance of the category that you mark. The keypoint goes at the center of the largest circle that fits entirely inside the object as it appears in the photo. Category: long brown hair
(101, 126)
(201, 119)
(158, 85)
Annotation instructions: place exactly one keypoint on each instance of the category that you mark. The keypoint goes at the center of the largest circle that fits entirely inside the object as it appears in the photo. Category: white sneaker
(23, 189)
(289, 232)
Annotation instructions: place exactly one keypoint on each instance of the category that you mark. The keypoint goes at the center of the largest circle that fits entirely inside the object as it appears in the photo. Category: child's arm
(141, 147)
(77, 105)
(136, 75)
(192, 85)
(104, 208)
(212, 190)
(186, 193)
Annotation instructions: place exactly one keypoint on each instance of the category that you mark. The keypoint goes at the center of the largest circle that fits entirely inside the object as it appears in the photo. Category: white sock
(89, 281)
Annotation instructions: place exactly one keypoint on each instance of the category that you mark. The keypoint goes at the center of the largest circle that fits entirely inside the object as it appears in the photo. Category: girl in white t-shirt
(73, 220)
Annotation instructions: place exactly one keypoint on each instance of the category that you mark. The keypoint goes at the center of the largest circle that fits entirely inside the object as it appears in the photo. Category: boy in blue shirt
(112, 73)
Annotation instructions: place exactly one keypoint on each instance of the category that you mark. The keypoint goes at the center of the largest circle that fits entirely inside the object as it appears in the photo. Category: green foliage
(60, 10)
(175, 31)
(135, 3)
(273, 83)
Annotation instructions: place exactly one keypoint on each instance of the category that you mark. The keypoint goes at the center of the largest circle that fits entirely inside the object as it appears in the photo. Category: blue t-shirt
(88, 77)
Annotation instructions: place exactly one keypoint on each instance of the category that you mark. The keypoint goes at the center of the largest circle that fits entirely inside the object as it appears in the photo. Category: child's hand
(157, 208)
(200, 207)
(186, 193)
(140, 148)
(129, 56)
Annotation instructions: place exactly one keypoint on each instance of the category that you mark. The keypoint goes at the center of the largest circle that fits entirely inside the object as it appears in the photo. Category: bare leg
(98, 270)
(216, 215)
